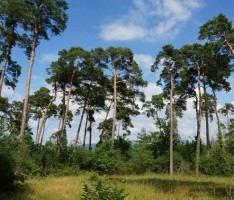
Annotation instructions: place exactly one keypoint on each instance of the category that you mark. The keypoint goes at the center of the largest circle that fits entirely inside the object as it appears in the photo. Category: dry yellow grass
(145, 187)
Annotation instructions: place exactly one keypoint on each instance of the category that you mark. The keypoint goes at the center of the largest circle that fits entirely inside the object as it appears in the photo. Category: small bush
(101, 191)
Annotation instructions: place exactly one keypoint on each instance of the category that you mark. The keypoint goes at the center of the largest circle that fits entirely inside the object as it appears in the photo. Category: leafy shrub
(15, 161)
(102, 191)
(142, 161)
(179, 165)
(219, 163)
(106, 158)
(7, 175)
(84, 158)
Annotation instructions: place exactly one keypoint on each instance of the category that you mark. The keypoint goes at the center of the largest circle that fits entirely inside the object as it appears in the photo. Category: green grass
(150, 186)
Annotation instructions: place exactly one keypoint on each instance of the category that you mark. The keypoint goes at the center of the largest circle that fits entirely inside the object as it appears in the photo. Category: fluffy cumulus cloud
(144, 60)
(150, 20)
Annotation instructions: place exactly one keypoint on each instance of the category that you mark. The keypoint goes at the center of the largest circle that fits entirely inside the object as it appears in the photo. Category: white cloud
(144, 60)
(12, 95)
(151, 89)
(48, 58)
(121, 32)
(150, 20)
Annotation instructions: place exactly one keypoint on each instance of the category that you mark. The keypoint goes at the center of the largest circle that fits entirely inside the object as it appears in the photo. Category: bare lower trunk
(43, 132)
(28, 83)
(207, 119)
(198, 116)
(114, 110)
(44, 116)
(171, 126)
(38, 126)
(67, 105)
(4, 70)
(90, 134)
(81, 120)
(220, 134)
(85, 130)
(103, 129)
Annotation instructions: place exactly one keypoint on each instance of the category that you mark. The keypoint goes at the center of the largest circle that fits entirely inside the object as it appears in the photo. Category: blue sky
(142, 25)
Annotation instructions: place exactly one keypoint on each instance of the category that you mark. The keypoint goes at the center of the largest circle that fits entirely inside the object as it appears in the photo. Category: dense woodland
(110, 81)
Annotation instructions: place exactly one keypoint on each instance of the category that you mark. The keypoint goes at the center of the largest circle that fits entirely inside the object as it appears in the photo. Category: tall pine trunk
(90, 133)
(103, 129)
(115, 106)
(28, 83)
(171, 125)
(85, 129)
(220, 134)
(67, 104)
(198, 116)
(207, 118)
(3, 72)
(81, 120)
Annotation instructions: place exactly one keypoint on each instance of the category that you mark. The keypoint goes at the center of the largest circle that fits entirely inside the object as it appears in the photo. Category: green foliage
(106, 158)
(7, 175)
(99, 190)
(83, 158)
(219, 163)
(162, 164)
(141, 160)
(16, 162)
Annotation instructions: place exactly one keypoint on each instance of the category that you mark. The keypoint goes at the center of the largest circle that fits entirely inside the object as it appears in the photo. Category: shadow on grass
(194, 188)
(19, 192)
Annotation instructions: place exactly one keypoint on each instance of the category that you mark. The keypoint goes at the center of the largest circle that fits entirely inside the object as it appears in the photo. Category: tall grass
(142, 187)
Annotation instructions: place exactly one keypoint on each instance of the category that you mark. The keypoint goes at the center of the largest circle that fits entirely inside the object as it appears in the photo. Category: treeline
(110, 81)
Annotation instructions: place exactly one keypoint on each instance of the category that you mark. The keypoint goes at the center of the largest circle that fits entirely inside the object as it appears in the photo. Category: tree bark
(207, 118)
(38, 126)
(199, 116)
(220, 135)
(28, 83)
(115, 106)
(43, 132)
(4, 69)
(171, 125)
(103, 129)
(90, 134)
(81, 120)
(68, 102)
(85, 129)
(44, 115)
(229, 45)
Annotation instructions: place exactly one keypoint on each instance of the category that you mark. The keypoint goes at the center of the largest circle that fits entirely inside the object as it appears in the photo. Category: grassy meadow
(150, 186)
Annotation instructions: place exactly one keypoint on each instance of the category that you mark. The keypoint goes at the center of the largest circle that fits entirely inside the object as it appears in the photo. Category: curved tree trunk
(44, 116)
(28, 83)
